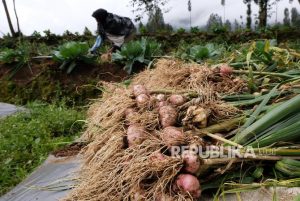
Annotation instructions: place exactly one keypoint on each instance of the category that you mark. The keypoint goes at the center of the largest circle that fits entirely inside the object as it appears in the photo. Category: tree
(156, 21)
(214, 22)
(141, 28)
(87, 32)
(12, 30)
(224, 10)
(276, 18)
(293, 0)
(295, 17)
(263, 12)
(18, 24)
(148, 5)
(140, 7)
(264, 7)
(287, 19)
(190, 10)
(237, 25)
(228, 25)
(249, 13)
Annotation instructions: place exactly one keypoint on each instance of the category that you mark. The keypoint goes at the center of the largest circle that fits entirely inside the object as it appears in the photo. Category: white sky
(74, 15)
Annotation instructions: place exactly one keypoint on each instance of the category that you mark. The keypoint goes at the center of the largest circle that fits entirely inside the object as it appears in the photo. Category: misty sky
(74, 15)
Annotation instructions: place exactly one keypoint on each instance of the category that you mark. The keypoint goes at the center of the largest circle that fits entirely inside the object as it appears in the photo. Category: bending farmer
(112, 27)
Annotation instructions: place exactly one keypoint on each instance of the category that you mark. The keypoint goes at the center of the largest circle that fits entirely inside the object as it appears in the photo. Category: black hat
(100, 14)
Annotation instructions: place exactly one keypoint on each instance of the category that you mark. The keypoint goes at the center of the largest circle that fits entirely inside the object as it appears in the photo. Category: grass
(27, 138)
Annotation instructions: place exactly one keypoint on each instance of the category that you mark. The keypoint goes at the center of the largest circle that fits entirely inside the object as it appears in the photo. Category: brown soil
(46, 82)
(81, 74)
(70, 150)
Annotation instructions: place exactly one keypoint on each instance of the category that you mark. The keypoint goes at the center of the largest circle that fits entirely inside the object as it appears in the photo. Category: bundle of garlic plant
(170, 135)
(132, 131)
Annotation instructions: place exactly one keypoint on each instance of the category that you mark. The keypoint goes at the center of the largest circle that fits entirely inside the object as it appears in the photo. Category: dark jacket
(113, 24)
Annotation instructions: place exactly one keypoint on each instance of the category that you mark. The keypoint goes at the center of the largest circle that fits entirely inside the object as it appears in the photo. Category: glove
(92, 52)
(97, 44)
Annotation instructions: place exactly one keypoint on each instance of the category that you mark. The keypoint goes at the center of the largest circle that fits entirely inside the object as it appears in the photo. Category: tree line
(156, 21)
(217, 23)
(265, 6)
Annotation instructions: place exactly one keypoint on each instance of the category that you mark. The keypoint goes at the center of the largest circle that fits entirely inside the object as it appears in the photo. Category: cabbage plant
(141, 51)
(69, 54)
(16, 58)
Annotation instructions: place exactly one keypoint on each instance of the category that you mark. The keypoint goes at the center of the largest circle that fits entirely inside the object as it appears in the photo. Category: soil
(44, 81)
(70, 150)
(109, 72)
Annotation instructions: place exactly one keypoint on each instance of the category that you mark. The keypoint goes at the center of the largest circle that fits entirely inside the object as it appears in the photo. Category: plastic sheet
(8, 109)
(50, 182)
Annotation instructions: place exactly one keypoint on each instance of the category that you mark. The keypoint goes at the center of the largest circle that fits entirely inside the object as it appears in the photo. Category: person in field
(112, 27)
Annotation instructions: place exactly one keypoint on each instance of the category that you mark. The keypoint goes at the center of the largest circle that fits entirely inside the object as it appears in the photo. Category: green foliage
(18, 58)
(267, 52)
(36, 35)
(249, 12)
(289, 167)
(181, 31)
(142, 6)
(49, 35)
(27, 138)
(228, 26)
(195, 30)
(199, 52)
(295, 17)
(8, 56)
(142, 28)
(70, 53)
(137, 51)
(87, 32)
(215, 24)
(156, 22)
(287, 19)
(67, 33)
(41, 49)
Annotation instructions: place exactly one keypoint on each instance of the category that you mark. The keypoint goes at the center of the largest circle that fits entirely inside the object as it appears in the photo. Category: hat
(100, 14)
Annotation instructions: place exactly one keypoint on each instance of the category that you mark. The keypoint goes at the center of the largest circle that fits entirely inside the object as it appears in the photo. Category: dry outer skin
(176, 100)
(172, 136)
(225, 70)
(168, 116)
(129, 111)
(164, 197)
(135, 134)
(142, 100)
(157, 156)
(130, 114)
(160, 97)
(161, 104)
(139, 89)
(191, 161)
(197, 116)
(189, 184)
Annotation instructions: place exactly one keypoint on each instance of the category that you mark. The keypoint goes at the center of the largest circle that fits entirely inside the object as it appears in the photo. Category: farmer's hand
(92, 52)
(106, 57)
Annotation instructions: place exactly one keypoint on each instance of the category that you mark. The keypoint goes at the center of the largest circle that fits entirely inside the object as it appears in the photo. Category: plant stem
(264, 73)
(42, 57)
(224, 126)
(223, 140)
(170, 91)
(278, 152)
